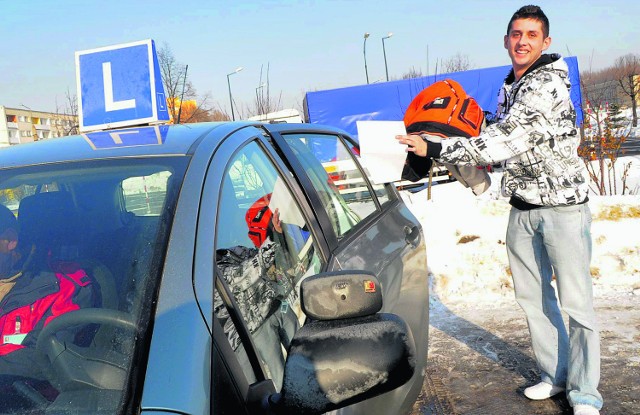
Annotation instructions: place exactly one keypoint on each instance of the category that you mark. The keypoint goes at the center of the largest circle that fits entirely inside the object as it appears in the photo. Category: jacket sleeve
(527, 123)
(416, 167)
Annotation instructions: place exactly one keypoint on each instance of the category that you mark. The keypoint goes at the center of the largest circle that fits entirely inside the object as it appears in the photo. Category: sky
(307, 45)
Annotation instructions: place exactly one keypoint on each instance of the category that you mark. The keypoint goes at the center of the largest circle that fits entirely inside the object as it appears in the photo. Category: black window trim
(240, 325)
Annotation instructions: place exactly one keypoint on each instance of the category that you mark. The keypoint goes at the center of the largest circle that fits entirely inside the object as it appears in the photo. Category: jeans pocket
(568, 208)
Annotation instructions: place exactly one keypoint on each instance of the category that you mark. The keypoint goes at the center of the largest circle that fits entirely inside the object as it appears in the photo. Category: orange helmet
(258, 218)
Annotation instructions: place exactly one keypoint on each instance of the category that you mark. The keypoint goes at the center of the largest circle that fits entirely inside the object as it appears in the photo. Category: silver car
(225, 268)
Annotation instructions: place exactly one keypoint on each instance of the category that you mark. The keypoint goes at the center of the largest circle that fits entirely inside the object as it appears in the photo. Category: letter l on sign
(110, 104)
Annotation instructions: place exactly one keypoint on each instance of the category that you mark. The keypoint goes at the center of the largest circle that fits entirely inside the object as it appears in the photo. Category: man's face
(6, 256)
(7, 244)
(525, 44)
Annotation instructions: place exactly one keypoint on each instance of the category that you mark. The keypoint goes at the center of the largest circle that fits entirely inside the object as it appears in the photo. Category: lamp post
(364, 51)
(238, 69)
(384, 52)
(184, 81)
(259, 87)
(258, 98)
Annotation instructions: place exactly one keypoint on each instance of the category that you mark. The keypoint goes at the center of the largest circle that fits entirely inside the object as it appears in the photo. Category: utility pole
(184, 81)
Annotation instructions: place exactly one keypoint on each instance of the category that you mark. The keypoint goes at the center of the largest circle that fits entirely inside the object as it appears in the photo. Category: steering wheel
(76, 364)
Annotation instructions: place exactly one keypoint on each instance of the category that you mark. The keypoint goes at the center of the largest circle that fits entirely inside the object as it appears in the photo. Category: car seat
(51, 238)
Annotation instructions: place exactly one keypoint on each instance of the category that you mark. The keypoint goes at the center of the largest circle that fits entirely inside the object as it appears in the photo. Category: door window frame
(207, 217)
(314, 200)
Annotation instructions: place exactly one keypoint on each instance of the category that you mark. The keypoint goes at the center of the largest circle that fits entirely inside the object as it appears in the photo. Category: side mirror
(334, 362)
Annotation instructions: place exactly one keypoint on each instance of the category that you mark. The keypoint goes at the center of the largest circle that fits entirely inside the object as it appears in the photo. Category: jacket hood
(554, 60)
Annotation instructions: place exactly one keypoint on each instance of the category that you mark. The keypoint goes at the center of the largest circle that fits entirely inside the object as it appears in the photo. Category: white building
(19, 125)
(283, 116)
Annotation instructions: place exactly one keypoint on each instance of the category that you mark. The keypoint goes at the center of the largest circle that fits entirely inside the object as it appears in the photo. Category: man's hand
(414, 143)
(277, 224)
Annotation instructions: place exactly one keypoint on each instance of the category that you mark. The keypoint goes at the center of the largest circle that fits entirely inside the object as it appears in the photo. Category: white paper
(281, 199)
(380, 152)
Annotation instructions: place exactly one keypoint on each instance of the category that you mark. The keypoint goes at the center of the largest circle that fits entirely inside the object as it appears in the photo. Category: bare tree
(600, 153)
(412, 73)
(179, 88)
(66, 116)
(627, 69)
(602, 135)
(457, 63)
(218, 115)
(214, 114)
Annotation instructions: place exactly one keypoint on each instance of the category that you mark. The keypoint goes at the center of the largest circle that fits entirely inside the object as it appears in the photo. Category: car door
(367, 227)
(258, 239)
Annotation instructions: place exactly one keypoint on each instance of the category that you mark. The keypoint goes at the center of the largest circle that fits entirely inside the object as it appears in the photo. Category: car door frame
(392, 210)
(278, 131)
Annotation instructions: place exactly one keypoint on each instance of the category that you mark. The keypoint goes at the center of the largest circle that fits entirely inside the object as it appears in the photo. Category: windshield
(81, 250)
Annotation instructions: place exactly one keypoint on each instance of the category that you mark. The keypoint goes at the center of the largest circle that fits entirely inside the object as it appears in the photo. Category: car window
(264, 249)
(335, 175)
(381, 191)
(144, 195)
(84, 276)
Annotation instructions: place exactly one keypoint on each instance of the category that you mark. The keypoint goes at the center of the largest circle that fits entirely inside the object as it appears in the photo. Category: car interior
(105, 220)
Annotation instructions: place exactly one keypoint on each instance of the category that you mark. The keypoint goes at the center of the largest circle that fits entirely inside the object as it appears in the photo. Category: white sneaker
(543, 390)
(585, 410)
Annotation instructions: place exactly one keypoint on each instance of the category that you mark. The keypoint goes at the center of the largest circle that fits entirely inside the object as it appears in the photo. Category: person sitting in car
(31, 295)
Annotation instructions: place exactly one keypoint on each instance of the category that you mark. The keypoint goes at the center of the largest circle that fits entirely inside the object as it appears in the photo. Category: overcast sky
(308, 45)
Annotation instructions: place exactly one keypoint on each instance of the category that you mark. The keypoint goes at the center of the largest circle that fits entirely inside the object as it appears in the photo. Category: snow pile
(626, 127)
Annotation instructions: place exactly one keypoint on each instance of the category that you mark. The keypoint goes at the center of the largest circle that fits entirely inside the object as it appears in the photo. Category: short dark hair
(8, 224)
(531, 12)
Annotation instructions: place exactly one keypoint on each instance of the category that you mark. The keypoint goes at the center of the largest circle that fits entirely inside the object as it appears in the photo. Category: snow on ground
(465, 237)
(627, 128)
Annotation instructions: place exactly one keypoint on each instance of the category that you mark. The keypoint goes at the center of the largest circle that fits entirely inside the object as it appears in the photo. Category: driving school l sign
(120, 86)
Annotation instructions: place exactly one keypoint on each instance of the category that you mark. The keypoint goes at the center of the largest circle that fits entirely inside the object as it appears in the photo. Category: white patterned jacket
(535, 138)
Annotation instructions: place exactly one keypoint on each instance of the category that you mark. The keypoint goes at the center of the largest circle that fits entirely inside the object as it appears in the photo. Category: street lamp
(258, 97)
(385, 54)
(364, 49)
(260, 87)
(238, 69)
(184, 81)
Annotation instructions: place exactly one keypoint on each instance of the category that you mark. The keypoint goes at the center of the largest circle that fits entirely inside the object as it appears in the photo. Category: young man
(536, 140)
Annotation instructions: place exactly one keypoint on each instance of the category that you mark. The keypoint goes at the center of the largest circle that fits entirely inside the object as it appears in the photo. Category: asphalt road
(631, 146)
(480, 360)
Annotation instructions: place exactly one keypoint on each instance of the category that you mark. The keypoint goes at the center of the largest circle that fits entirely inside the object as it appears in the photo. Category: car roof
(144, 141)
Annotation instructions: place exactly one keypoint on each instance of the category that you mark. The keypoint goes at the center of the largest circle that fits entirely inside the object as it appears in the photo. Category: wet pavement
(480, 360)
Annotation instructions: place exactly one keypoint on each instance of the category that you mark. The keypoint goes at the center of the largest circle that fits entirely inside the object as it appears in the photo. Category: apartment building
(23, 125)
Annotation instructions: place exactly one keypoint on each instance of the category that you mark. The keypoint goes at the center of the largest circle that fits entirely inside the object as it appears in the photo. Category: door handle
(412, 235)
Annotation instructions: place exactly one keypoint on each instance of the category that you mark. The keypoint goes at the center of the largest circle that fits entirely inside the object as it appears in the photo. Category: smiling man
(525, 40)
(549, 232)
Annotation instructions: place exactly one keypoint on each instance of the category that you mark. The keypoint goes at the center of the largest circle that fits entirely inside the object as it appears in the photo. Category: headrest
(48, 220)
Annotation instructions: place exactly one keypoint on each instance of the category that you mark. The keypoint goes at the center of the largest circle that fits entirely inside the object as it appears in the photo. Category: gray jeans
(271, 339)
(556, 241)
